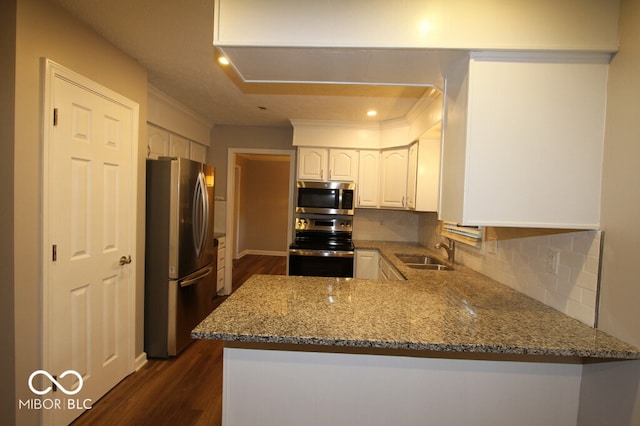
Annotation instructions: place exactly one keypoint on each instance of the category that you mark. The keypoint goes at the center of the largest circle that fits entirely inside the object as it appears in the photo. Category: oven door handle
(322, 253)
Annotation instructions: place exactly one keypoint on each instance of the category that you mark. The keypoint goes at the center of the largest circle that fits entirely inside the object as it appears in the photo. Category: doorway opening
(260, 192)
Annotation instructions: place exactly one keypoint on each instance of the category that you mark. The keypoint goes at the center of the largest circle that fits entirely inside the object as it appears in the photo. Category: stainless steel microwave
(325, 197)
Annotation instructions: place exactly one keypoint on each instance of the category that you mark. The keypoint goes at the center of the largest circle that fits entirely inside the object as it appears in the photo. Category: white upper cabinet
(323, 164)
(198, 152)
(412, 176)
(523, 142)
(163, 143)
(174, 130)
(158, 141)
(423, 184)
(393, 178)
(343, 165)
(368, 179)
(313, 163)
(179, 146)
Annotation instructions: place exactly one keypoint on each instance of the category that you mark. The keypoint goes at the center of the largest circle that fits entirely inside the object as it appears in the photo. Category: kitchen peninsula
(448, 345)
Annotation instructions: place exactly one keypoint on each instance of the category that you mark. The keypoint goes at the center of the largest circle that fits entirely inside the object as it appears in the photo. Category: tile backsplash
(385, 225)
(519, 258)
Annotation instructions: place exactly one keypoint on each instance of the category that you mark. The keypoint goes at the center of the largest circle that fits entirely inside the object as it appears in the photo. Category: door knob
(125, 260)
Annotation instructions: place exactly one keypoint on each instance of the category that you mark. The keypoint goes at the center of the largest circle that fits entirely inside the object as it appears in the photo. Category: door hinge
(55, 117)
(54, 252)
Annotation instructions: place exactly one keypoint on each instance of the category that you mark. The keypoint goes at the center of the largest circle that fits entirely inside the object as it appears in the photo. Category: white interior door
(89, 211)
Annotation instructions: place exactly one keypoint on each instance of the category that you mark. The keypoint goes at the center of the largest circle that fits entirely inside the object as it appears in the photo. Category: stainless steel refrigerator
(181, 253)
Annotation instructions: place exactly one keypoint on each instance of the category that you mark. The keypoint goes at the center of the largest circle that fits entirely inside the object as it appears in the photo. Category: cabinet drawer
(222, 242)
(221, 256)
(220, 281)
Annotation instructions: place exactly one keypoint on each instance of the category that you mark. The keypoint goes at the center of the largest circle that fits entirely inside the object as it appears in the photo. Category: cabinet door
(412, 176)
(388, 272)
(427, 175)
(312, 163)
(198, 152)
(366, 264)
(368, 177)
(343, 165)
(179, 146)
(393, 178)
(383, 269)
(158, 142)
(525, 155)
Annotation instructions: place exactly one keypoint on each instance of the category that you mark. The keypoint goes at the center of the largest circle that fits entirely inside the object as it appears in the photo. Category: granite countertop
(459, 311)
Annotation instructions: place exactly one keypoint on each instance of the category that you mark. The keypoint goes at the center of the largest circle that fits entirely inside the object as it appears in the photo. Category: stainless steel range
(322, 247)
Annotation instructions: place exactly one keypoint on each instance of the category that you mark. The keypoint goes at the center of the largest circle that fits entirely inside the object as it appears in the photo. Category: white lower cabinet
(283, 387)
(221, 257)
(386, 271)
(369, 264)
(366, 264)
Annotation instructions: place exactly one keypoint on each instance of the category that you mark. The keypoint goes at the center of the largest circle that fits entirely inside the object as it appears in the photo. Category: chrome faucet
(450, 249)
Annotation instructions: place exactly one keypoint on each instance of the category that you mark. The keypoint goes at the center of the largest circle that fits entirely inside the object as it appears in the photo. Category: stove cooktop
(323, 241)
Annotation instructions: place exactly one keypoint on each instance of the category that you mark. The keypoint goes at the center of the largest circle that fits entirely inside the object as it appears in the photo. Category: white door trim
(231, 178)
(49, 72)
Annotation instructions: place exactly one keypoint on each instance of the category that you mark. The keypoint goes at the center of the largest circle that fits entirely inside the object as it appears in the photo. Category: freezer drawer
(173, 311)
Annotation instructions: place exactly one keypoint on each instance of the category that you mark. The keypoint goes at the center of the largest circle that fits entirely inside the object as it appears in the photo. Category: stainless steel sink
(419, 261)
(429, 266)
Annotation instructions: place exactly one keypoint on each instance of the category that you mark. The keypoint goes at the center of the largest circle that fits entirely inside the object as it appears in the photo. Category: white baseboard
(262, 253)
(140, 361)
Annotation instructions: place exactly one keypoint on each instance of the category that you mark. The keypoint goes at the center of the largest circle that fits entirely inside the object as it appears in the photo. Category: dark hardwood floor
(186, 390)
(252, 264)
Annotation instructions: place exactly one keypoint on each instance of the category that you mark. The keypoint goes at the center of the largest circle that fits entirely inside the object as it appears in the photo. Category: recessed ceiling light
(372, 113)
(223, 60)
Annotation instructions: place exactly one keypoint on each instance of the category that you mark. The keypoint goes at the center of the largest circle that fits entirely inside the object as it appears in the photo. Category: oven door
(321, 263)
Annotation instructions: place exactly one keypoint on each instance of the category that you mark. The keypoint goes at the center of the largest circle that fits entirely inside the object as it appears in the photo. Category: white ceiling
(172, 39)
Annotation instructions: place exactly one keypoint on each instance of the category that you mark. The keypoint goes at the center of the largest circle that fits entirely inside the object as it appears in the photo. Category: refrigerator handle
(192, 280)
(200, 213)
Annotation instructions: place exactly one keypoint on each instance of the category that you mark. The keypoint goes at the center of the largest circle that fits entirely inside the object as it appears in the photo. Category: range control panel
(327, 224)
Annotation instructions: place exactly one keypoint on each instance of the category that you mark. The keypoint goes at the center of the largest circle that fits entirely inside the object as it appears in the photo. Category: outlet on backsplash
(553, 261)
(491, 246)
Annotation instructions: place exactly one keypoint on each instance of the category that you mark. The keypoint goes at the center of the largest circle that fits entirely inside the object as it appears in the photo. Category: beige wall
(225, 137)
(264, 207)
(7, 100)
(620, 195)
(611, 392)
(44, 30)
